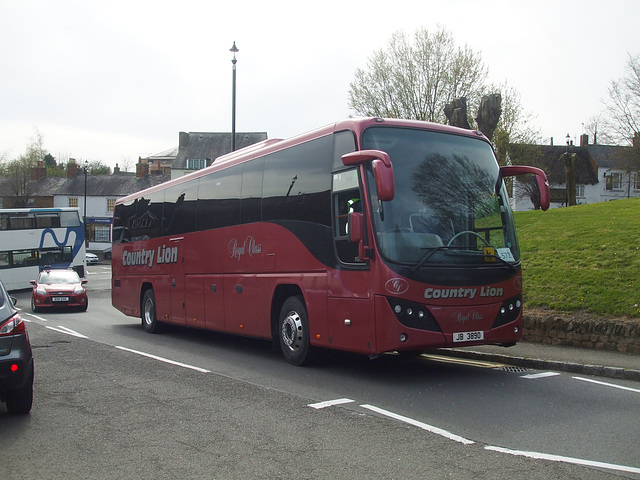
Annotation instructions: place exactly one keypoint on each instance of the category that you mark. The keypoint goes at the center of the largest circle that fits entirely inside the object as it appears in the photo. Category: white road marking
(534, 376)
(165, 360)
(560, 458)
(36, 316)
(612, 385)
(330, 403)
(459, 439)
(416, 423)
(67, 331)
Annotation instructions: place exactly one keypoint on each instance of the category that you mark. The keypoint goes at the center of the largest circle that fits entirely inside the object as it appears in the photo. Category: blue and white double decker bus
(32, 238)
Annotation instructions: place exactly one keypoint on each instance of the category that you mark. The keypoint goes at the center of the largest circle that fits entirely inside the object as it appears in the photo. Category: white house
(602, 172)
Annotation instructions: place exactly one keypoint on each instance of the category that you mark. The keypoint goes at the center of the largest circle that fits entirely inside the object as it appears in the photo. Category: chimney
(183, 140)
(584, 140)
(636, 140)
(72, 168)
(116, 169)
(39, 172)
(552, 141)
(142, 169)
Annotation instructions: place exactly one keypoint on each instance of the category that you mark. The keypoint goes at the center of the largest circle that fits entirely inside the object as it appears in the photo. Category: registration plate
(59, 299)
(468, 336)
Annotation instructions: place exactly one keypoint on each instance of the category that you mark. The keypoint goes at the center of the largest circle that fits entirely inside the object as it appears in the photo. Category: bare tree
(126, 163)
(515, 120)
(427, 78)
(623, 104)
(596, 128)
(416, 78)
(515, 124)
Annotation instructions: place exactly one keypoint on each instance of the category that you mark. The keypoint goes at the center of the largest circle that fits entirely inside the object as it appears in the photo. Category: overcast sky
(117, 80)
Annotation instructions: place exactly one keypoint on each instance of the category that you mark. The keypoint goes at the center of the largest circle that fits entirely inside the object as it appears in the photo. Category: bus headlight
(509, 311)
(413, 314)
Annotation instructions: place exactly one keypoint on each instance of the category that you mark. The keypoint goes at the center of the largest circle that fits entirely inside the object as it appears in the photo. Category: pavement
(540, 356)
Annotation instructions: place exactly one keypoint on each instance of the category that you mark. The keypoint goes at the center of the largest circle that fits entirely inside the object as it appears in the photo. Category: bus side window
(5, 260)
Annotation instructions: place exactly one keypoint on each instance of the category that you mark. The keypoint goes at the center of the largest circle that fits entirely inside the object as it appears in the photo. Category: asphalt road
(109, 405)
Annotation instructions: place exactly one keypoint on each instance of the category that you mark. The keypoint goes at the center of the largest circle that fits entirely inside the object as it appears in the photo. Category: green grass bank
(585, 257)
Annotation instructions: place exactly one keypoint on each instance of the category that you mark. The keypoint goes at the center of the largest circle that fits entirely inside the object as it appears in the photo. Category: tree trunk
(489, 114)
(456, 113)
(569, 160)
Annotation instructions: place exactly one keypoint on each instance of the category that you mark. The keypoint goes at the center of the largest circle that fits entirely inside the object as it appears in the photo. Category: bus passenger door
(173, 255)
(350, 304)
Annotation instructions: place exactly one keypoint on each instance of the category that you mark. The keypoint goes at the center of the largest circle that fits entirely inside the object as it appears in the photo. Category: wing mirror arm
(382, 170)
(540, 176)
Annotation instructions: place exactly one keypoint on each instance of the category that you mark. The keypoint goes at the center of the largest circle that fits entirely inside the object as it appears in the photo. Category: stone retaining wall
(554, 329)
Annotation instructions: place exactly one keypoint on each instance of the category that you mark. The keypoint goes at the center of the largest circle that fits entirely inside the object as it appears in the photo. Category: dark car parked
(16, 359)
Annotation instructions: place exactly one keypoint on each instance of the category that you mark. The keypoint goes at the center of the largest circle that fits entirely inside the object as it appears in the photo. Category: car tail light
(13, 326)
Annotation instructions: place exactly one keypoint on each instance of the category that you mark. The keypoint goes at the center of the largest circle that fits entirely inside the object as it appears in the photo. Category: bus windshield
(450, 205)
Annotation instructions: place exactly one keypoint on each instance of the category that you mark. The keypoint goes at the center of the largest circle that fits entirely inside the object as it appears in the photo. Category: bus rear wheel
(293, 331)
(149, 320)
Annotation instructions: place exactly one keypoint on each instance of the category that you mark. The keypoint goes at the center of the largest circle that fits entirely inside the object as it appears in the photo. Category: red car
(56, 288)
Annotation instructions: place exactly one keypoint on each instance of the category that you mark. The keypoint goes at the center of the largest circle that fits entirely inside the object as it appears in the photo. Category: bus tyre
(149, 321)
(293, 331)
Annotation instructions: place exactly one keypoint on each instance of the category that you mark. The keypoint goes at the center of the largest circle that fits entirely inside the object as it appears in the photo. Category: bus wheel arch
(148, 310)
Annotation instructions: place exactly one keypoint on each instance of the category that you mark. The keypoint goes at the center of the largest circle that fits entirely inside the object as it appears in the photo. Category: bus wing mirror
(382, 170)
(540, 176)
(384, 180)
(356, 227)
(356, 234)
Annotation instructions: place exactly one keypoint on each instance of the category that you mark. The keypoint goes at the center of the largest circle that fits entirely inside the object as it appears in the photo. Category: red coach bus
(368, 235)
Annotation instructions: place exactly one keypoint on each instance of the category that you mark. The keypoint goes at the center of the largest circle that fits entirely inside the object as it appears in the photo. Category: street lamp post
(84, 212)
(234, 50)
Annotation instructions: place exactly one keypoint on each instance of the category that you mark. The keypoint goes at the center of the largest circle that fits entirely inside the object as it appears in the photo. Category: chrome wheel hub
(292, 331)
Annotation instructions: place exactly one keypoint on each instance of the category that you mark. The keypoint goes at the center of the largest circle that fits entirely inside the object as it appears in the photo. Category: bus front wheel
(149, 320)
(293, 331)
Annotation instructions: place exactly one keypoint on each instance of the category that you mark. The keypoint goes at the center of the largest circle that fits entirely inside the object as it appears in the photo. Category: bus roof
(273, 145)
(38, 210)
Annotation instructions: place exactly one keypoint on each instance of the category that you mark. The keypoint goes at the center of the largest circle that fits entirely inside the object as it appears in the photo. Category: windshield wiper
(500, 259)
(433, 250)
(426, 257)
